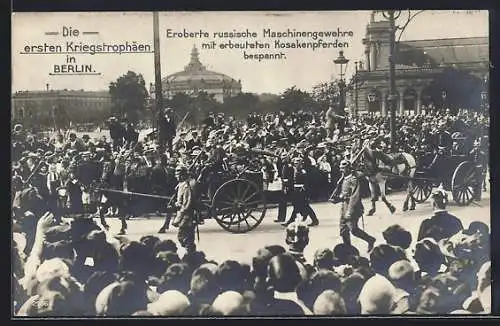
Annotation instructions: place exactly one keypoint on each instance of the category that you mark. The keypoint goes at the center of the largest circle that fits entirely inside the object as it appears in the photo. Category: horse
(378, 166)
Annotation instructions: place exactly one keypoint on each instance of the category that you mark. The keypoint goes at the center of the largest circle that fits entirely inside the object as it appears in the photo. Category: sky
(302, 68)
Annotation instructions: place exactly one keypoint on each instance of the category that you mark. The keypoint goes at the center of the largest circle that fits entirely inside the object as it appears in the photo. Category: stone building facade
(430, 74)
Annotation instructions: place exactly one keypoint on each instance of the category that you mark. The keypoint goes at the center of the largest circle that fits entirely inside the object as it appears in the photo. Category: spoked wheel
(464, 182)
(239, 206)
(421, 191)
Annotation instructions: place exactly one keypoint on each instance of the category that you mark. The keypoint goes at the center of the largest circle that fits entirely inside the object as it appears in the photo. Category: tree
(241, 104)
(294, 99)
(128, 96)
(326, 94)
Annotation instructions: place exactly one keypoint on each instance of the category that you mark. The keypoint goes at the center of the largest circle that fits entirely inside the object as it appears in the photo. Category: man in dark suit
(167, 129)
(442, 224)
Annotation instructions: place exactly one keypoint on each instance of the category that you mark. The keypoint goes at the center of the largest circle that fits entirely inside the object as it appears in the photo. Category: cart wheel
(421, 191)
(464, 182)
(239, 206)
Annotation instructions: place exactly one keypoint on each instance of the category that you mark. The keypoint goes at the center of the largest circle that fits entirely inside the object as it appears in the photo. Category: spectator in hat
(329, 303)
(194, 141)
(203, 287)
(350, 289)
(229, 303)
(402, 276)
(383, 256)
(322, 280)
(131, 136)
(116, 132)
(395, 235)
(284, 276)
(176, 277)
(93, 286)
(428, 257)
(170, 303)
(442, 224)
(121, 298)
(323, 259)
(377, 296)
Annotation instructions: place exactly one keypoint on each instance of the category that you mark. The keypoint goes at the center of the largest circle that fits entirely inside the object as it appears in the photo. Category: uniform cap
(439, 194)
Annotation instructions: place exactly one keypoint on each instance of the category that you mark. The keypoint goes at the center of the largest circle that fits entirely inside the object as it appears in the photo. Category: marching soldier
(352, 207)
(300, 194)
(286, 175)
(184, 219)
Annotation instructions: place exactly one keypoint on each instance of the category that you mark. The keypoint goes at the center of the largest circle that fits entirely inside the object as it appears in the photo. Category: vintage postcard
(250, 163)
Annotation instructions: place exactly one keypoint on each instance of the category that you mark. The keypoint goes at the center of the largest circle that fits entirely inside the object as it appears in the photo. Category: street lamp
(342, 62)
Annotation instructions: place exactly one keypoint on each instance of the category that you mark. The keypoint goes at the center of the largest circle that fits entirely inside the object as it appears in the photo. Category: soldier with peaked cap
(352, 207)
(184, 219)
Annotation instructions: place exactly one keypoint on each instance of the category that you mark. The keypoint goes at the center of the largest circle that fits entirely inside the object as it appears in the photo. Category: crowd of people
(77, 268)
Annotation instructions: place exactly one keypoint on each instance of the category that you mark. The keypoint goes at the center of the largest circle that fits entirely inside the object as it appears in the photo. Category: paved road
(221, 245)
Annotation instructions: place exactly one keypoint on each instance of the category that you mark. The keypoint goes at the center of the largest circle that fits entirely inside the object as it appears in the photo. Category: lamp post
(356, 63)
(341, 61)
(392, 15)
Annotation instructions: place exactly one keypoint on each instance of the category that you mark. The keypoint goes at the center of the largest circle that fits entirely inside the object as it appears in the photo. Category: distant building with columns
(430, 74)
(197, 78)
(60, 106)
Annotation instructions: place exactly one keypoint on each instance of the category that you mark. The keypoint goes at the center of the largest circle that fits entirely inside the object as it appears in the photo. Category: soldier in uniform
(352, 207)
(301, 193)
(184, 219)
(286, 175)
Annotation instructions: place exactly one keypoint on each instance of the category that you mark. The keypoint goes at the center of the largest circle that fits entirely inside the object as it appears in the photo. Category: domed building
(196, 78)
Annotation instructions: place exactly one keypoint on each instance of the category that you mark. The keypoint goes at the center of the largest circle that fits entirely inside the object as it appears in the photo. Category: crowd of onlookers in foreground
(77, 269)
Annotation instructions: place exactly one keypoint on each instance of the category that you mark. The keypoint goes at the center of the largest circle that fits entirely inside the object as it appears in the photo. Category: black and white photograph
(271, 164)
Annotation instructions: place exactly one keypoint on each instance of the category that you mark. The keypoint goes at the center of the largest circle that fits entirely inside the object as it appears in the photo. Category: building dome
(196, 78)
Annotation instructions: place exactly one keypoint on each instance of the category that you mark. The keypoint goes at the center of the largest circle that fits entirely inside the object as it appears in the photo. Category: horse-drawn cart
(232, 194)
(459, 174)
